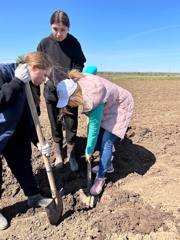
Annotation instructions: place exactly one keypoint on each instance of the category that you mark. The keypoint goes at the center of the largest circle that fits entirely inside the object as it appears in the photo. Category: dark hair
(60, 17)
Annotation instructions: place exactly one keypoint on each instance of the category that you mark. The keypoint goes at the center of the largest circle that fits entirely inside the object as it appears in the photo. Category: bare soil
(141, 200)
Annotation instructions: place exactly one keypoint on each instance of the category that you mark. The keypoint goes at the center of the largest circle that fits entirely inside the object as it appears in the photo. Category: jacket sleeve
(29, 126)
(9, 91)
(95, 118)
(78, 58)
(50, 92)
(33, 134)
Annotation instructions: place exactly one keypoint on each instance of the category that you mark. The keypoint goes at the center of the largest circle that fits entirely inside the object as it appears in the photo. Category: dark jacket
(65, 55)
(14, 110)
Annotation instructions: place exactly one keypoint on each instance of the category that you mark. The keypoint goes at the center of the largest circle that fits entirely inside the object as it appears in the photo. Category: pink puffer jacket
(119, 103)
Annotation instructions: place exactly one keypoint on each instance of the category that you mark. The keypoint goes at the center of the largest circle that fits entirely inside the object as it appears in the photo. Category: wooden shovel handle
(41, 139)
(89, 175)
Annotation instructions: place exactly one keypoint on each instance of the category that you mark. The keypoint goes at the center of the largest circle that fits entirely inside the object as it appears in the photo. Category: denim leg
(106, 152)
(0, 174)
(99, 139)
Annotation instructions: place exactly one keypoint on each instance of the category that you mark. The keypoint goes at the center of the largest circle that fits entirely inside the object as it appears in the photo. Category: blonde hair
(39, 59)
(76, 97)
(75, 75)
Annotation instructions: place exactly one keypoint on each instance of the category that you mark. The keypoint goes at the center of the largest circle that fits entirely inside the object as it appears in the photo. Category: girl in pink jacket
(109, 108)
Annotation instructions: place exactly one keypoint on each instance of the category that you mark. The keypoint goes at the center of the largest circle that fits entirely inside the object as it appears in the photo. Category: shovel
(53, 207)
(84, 195)
(89, 174)
(92, 201)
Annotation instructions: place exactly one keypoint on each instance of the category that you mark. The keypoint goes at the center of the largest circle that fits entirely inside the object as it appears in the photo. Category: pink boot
(97, 187)
(110, 169)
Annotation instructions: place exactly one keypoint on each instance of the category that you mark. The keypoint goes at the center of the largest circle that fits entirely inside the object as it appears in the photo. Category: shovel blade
(53, 210)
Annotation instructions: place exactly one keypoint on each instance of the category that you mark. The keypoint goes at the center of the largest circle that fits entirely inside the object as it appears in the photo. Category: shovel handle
(89, 175)
(41, 140)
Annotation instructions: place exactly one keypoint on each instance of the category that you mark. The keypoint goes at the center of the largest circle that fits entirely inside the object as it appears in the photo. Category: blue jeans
(105, 144)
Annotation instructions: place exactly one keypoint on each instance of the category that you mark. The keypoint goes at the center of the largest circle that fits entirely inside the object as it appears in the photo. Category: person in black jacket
(66, 54)
(17, 130)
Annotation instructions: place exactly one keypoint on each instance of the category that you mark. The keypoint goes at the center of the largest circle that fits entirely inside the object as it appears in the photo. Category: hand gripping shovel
(54, 207)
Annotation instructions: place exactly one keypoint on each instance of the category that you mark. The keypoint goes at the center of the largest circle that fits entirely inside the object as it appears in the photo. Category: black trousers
(70, 123)
(18, 157)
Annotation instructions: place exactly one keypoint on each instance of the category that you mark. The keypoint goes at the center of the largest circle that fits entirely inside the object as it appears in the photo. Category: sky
(116, 35)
